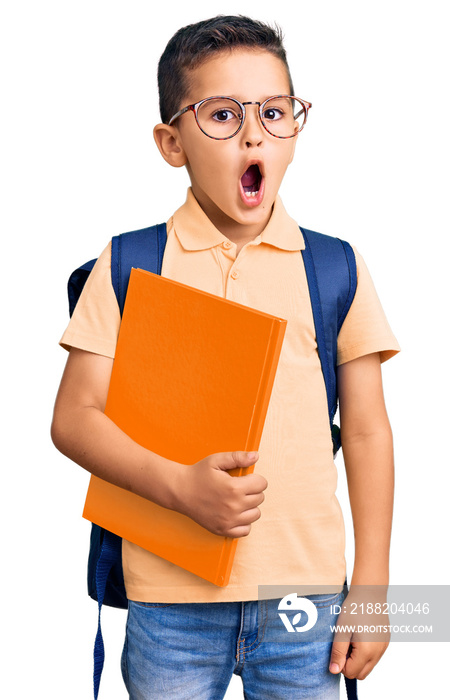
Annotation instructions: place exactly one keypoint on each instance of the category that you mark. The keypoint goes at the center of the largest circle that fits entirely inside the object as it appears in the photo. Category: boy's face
(216, 168)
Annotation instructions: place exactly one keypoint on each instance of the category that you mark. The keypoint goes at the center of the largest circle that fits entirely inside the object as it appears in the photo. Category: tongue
(251, 176)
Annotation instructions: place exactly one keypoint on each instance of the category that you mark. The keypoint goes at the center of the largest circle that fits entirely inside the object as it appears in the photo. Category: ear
(169, 144)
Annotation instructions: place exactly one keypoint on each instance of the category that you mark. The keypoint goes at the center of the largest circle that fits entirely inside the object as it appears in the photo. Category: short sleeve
(365, 329)
(95, 322)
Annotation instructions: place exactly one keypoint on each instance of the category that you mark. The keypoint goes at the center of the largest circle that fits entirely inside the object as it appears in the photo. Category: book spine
(266, 384)
(254, 433)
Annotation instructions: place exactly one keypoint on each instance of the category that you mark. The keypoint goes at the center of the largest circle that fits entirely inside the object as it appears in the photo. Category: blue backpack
(330, 268)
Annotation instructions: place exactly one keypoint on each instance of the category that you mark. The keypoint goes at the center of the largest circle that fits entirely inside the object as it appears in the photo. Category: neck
(240, 238)
(237, 233)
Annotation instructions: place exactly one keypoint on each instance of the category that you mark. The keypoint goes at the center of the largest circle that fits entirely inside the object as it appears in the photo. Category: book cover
(192, 376)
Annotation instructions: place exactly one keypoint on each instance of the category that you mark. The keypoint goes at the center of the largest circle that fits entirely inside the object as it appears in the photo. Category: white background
(79, 165)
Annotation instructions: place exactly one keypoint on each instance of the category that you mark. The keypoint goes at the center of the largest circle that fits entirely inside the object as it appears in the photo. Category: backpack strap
(111, 552)
(351, 688)
(144, 249)
(76, 282)
(330, 267)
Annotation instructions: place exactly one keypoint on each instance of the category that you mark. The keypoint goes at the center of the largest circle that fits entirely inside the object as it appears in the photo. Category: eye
(224, 115)
(273, 114)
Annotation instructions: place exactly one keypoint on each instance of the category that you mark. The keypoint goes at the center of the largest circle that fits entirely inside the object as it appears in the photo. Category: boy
(233, 238)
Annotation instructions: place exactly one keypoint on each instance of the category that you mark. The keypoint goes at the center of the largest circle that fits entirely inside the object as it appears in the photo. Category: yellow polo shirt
(299, 539)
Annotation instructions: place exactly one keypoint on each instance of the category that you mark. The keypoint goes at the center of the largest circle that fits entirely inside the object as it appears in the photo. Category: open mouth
(251, 181)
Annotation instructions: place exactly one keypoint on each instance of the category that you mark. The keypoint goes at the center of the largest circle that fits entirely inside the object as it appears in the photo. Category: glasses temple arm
(178, 114)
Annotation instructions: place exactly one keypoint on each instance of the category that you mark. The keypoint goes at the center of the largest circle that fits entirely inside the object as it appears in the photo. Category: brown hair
(195, 43)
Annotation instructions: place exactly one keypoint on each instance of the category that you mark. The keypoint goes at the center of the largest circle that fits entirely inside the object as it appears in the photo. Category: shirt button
(235, 274)
(227, 244)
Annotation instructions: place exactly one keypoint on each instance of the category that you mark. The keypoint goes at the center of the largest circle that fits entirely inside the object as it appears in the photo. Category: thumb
(230, 460)
(338, 656)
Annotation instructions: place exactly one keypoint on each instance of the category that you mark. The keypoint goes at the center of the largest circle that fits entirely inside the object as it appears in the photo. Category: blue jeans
(189, 651)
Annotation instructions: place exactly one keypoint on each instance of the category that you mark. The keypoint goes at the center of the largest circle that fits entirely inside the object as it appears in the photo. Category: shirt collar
(196, 232)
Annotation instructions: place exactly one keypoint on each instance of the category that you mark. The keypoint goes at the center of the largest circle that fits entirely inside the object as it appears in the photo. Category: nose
(252, 130)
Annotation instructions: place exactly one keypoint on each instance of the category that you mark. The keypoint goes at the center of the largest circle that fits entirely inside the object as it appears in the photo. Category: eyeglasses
(220, 118)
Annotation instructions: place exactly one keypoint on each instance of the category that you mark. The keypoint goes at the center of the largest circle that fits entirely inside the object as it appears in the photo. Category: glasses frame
(196, 106)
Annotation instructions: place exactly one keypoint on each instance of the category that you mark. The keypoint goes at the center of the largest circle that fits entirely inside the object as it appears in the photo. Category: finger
(239, 531)
(253, 485)
(230, 460)
(250, 501)
(255, 499)
(251, 515)
(359, 672)
(358, 659)
(338, 656)
(363, 659)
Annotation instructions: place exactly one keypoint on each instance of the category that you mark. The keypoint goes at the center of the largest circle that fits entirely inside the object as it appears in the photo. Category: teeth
(251, 194)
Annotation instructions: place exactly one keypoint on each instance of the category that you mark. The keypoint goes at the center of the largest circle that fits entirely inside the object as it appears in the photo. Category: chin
(256, 215)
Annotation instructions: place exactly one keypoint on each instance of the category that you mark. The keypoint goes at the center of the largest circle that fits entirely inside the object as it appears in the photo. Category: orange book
(192, 376)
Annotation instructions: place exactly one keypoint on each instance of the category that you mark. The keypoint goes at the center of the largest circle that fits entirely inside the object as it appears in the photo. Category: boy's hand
(355, 653)
(363, 656)
(225, 505)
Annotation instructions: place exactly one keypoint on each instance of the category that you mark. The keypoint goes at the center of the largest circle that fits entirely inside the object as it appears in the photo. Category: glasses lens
(281, 114)
(219, 117)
